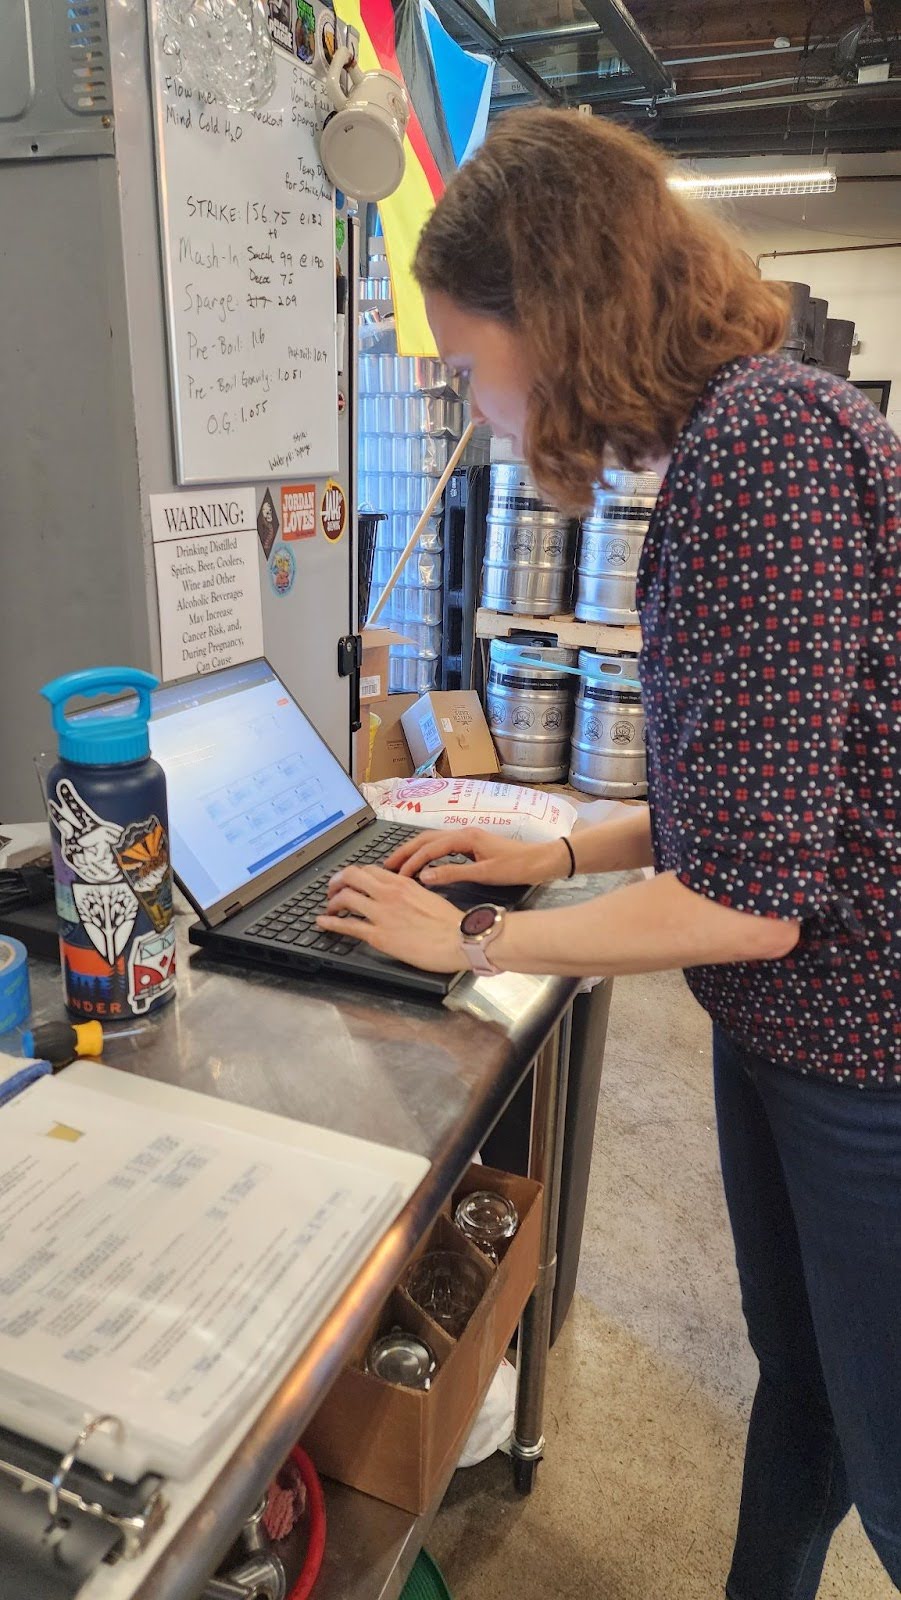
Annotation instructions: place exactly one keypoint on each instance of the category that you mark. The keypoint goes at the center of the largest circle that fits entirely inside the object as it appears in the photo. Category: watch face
(479, 920)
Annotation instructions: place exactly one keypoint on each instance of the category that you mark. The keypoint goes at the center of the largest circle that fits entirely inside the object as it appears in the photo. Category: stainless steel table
(426, 1078)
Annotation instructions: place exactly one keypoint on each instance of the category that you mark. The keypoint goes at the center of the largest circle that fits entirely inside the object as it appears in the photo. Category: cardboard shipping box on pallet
(448, 727)
(398, 1444)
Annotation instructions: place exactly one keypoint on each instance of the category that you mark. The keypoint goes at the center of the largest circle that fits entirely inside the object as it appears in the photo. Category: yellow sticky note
(61, 1131)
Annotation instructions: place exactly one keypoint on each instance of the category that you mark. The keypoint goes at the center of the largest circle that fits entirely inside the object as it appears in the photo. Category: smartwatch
(477, 929)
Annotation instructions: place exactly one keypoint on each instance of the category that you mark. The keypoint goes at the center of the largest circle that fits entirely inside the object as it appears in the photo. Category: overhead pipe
(827, 250)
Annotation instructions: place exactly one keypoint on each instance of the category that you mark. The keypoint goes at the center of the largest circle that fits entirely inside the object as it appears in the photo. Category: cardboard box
(399, 1444)
(448, 726)
(390, 756)
(374, 670)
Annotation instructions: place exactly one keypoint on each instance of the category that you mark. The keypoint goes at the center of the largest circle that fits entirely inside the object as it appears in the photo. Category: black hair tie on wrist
(572, 859)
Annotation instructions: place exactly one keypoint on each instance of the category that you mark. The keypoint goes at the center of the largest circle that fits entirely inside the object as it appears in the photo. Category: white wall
(864, 286)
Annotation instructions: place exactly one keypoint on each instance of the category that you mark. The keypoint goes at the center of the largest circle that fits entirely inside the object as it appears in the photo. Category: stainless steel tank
(529, 548)
(608, 742)
(529, 706)
(610, 547)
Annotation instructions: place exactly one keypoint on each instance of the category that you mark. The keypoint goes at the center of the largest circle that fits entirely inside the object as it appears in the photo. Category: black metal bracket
(350, 660)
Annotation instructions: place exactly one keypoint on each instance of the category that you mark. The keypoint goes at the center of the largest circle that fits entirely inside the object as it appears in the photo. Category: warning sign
(299, 511)
(334, 511)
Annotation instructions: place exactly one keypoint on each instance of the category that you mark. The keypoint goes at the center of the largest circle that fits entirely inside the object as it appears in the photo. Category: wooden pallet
(570, 634)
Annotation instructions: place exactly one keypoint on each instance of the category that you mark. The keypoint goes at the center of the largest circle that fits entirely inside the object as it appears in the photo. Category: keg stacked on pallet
(608, 751)
(552, 703)
(608, 744)
(529, 704)
(610, 547)
(529, 548)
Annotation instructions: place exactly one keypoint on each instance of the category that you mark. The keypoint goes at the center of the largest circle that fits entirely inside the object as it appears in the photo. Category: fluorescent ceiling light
(736, 185)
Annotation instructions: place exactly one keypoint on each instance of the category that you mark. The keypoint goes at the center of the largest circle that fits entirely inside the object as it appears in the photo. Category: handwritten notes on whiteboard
(249, 260)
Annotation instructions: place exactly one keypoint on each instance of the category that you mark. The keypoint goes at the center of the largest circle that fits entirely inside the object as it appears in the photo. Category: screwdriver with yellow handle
(63, 1042)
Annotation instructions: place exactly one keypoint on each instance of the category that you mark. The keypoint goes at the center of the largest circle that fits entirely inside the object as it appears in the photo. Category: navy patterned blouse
(770, 603)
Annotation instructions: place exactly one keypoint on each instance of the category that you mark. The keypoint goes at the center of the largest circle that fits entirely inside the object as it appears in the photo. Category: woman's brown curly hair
(628, 296)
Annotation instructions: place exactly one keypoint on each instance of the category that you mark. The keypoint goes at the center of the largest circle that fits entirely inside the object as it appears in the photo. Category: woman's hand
(493, 859)
(395, 916)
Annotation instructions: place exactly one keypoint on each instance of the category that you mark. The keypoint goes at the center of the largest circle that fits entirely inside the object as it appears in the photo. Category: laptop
(261, 814)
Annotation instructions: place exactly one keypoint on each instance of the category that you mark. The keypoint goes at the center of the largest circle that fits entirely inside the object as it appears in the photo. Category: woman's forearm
(615, 846)
(645, 927)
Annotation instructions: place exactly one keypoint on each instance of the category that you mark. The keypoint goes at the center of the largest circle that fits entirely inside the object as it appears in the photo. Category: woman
(594, 311)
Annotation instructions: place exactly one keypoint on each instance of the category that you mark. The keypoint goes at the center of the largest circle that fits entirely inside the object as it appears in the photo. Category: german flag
(448, 91)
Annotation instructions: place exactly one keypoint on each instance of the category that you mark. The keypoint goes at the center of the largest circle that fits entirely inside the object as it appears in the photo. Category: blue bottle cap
(97, 740)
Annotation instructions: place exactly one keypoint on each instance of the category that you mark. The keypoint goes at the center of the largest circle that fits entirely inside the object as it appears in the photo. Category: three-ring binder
(134, 1511)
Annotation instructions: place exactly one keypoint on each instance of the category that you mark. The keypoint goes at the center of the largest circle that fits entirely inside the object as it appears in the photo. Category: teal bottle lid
(97, 740)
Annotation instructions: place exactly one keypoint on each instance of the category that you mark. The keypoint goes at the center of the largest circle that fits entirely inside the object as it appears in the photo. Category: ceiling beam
(619, 27)
(469, 16)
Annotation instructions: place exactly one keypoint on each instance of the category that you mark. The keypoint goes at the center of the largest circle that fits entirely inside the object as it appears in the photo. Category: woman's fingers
(458, 872)
(410, 847)
(416, 854)
(351, 900)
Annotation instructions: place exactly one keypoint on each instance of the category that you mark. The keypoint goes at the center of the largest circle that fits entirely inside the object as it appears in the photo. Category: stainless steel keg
(529, 548)
(610, 546)
(608, 742)
(530, 707)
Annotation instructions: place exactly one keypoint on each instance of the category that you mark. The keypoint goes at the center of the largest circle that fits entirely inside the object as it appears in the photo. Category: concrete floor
(651, 1380)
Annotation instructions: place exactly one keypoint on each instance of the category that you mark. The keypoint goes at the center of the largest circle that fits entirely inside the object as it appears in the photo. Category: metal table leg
(546, 1166)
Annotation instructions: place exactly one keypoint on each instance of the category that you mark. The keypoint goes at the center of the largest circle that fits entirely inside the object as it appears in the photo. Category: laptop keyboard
(292, 923)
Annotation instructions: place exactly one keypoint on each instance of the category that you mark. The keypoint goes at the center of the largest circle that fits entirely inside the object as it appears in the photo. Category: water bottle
(109, 826)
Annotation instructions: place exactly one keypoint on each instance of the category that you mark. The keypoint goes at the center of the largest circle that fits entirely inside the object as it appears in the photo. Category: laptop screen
(249, 779)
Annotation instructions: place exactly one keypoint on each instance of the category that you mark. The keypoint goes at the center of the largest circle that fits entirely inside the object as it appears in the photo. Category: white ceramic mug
(362, 142)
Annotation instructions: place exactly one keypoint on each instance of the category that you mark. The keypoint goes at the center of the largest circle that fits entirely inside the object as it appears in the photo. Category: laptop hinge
(237, 905)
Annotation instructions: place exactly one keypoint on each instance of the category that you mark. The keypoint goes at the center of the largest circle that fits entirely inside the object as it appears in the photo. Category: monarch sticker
(282, 570)
(333, 511)
(299, 511)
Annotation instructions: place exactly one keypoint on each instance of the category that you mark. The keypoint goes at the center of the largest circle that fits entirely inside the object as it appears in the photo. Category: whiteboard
(247, 217)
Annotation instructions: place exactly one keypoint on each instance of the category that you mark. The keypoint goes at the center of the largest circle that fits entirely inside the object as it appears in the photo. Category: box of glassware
(396, 1420)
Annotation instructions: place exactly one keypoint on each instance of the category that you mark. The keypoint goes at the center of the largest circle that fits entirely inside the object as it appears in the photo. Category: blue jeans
(812, 1172)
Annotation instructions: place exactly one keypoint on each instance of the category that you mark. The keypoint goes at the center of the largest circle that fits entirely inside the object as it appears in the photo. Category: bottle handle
(99, 680)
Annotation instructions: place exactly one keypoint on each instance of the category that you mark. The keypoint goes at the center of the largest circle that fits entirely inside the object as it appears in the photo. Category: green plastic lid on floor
(425, 1581)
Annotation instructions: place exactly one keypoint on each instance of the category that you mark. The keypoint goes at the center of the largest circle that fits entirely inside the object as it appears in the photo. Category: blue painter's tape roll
(15, 994)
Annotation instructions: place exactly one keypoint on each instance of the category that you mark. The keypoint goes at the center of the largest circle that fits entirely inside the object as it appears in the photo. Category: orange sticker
(333, 511)
(299, 511)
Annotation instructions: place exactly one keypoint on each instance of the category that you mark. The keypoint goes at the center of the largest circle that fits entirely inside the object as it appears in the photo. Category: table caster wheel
(524, 1475)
